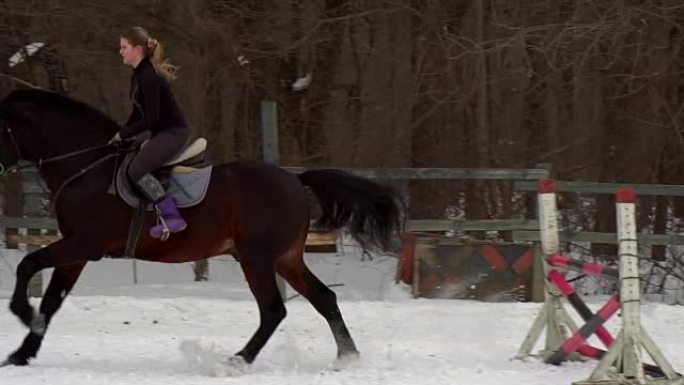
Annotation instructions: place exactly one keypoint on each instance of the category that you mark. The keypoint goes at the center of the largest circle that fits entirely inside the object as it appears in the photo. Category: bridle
(4, 126)
(22, 163)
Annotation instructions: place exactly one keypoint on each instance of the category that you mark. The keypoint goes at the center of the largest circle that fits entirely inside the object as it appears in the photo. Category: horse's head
(37, 124)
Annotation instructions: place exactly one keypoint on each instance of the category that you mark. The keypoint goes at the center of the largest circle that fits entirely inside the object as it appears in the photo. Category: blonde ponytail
(162, 64)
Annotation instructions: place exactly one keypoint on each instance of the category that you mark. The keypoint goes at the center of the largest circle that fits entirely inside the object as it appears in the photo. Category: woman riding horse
(155, 110)
(257, 212)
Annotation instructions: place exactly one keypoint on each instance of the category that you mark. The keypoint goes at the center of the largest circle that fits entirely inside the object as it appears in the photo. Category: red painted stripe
(593, 269)
(625, 195)
(590, 351)
(557, 278)
(610, 308)
(559, 260)
(524, 262)
(572, 343)
(546, 186)
(491, 254)
(560, 282)
(604, 335)
(406, 260)
(577, 340)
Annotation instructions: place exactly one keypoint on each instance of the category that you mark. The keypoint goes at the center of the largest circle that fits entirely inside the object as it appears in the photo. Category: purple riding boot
(168, 219)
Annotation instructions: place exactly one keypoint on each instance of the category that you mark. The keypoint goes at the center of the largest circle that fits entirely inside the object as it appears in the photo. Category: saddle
(186, 178)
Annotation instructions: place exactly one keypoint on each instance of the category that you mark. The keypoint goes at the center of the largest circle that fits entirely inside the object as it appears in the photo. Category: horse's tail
(369, 210)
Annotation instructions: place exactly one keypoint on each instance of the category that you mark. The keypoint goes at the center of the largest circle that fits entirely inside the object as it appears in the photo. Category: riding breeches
(156, 152)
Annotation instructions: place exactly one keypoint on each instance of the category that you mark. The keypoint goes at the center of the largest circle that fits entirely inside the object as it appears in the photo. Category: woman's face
(130, 54)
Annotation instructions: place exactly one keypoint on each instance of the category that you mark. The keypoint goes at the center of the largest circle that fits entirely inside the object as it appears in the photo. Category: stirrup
(166, 232)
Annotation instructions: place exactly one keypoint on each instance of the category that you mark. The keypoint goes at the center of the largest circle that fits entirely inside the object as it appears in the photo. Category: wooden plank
(417, 225)
(321, 239)
(312, 239)
(35, 240)
(596, 237)
(440, 173)
(29, 223)
(534, 333)
(658, 356)
(605, 188)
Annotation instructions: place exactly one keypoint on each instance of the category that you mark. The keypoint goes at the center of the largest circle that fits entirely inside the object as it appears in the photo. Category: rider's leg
(158, 150)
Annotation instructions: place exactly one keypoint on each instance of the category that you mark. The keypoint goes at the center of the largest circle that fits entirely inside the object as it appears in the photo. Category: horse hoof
(345, 360)
(233, 366)
(14, 361)
(210, 362)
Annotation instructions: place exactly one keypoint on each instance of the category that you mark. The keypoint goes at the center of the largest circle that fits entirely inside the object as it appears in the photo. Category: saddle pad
(187, 188)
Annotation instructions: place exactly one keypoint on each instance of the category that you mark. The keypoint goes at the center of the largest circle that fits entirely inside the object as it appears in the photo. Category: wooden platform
(312, 239)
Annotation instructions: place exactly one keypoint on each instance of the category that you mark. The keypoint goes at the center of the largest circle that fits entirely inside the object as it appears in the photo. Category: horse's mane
(52, 99)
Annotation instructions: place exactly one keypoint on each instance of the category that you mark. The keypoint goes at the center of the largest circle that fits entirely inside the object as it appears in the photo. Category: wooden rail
(605, 188)
(312, 239)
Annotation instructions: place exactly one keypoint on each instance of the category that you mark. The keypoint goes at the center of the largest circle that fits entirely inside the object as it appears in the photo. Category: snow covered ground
(111, 331)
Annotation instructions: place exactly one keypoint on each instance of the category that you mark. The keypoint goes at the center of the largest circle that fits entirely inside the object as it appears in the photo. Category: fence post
(269, 130)
(269, 136)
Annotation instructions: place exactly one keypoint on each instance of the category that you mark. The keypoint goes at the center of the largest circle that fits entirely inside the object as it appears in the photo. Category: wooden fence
(524, 181)
(34, 200)
(522, 230)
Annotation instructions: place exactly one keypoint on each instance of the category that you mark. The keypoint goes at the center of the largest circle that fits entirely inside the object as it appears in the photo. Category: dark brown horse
(257, 212)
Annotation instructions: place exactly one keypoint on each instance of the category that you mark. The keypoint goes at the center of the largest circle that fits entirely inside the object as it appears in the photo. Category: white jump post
(553, 317)
(624, 356)
(622, 364)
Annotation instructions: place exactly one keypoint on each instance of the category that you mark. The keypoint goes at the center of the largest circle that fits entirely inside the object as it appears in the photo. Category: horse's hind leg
(262, 283)
(61, 283)
(291, 267)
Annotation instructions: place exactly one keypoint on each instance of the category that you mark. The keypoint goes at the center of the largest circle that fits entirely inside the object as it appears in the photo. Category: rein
(81, 173)
(40, 162)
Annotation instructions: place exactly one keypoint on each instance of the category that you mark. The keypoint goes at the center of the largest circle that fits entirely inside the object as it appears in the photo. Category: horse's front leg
(61, 283)
(29, 265)
(62, 252)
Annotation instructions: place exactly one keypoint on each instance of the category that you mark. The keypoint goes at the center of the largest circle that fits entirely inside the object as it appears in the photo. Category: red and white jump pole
(624, 354)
